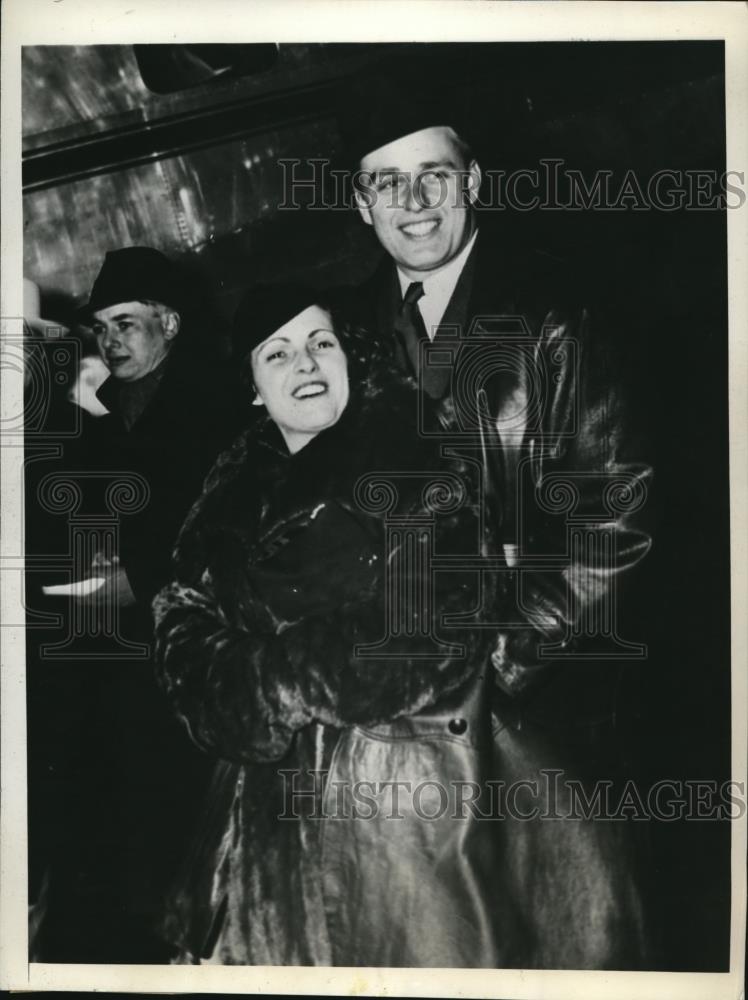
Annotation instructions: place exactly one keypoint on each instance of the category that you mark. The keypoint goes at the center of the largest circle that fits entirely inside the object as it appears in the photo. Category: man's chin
(428, 259)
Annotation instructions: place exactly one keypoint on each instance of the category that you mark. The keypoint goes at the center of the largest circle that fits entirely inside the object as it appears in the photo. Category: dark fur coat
(280, 574)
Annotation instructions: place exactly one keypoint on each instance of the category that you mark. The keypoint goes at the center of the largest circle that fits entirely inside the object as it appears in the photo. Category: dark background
(174, 149)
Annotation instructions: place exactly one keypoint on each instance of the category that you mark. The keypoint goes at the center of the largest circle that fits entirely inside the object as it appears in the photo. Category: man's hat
(133, 274)
(264, 309)
(382, 109)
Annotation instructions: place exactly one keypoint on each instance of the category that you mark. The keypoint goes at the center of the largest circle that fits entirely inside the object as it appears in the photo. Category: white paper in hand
(78, 588)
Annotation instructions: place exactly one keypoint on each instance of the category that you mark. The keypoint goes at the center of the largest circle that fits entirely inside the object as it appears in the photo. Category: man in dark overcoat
(499, 339)
(498, 336)
(173, 407)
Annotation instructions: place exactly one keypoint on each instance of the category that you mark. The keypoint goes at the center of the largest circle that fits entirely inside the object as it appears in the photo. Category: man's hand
(101, 561)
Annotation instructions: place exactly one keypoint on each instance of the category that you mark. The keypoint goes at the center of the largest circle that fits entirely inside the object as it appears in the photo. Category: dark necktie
(409, 325)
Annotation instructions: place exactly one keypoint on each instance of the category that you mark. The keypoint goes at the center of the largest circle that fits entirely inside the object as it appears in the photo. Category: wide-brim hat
(133, 274)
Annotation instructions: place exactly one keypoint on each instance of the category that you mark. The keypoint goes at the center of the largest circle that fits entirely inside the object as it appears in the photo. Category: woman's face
(301, 375)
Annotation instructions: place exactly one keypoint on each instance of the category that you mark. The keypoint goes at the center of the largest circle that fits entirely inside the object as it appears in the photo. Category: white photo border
(91, 22)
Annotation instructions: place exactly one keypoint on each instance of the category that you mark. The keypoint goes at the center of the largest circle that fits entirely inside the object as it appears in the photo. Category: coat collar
(257, 480)
(130, 400)
(488, 283)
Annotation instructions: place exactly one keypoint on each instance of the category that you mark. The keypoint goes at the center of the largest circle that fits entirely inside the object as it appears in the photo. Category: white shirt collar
(438, 288)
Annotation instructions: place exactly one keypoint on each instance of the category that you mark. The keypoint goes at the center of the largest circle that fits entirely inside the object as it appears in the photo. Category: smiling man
(417, 193)
(522, 376)
(522, 368)
(417, 190)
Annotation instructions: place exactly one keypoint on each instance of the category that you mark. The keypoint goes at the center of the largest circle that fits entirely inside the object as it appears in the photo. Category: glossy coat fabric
(567, 447)
(337, 830)
(568, 493)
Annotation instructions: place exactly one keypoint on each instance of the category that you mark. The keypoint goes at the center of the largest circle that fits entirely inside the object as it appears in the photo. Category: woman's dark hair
(369, 358)
(365, 351)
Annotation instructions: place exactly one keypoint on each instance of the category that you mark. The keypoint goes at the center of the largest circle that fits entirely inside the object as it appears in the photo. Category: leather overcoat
(522, 364)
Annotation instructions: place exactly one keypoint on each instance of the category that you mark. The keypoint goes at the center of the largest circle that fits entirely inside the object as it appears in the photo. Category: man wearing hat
(518, 371)
(513, 331)
(172, 408)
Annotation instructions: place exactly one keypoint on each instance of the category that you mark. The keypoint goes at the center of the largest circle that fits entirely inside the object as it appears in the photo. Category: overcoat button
(457, 726)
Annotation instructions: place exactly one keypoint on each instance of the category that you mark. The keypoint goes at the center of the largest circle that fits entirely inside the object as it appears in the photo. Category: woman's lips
(115, 362)
(309, 390)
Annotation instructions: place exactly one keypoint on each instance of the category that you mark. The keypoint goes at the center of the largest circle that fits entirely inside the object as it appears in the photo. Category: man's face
(133, 338)
(417, 194)
(300, 373)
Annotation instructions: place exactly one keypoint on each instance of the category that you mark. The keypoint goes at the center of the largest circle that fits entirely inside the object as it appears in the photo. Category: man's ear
(474, 178)
(363, 204)
(171, 323)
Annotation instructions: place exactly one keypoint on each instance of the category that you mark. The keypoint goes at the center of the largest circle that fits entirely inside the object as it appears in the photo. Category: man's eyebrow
(114, 319)
(425, 165)
(430, 164)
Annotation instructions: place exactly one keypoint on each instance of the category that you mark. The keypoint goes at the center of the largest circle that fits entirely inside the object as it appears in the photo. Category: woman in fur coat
(326, 638)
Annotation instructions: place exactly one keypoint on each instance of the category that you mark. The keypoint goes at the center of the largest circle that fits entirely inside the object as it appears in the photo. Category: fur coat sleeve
(243, 692)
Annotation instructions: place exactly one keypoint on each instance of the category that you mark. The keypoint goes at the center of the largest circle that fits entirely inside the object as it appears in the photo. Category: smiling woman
(328, 630)
(282, 578)
(300, 371)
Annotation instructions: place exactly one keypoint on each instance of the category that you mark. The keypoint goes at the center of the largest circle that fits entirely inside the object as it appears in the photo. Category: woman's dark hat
(133, 274)
(264, 309)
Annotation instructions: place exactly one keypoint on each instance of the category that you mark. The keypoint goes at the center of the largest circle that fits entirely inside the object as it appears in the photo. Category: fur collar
(257, 486)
